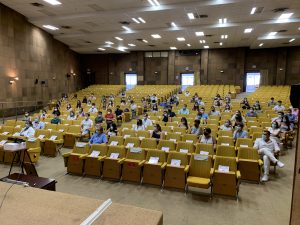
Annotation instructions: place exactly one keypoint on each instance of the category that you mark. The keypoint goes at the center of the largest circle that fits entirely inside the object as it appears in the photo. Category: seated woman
(245, 104)
(27, 131)
(207, 138)
(99, 118)
(139, 125)
(109, 117)
(165, 117)
(156, 132)
(237, 119)
(154, 108)
(78, 105)
(226, 126)
(196, 106)
(239, 132)
(80, 113)
(257, 106)
(275, 132)
(284, 129)
(184, 123)
(214, 112)
(72, 116)
(251, 113)
(196, 129)
(227, 108)
(43, 115)
(69, 107)
(112, 130)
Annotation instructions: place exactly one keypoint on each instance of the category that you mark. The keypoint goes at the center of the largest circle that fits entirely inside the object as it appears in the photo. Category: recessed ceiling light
(261, 44)
(189, 45)
(126, 28)
(298, 28)
(122, 49)
(206, 46)
(293, 39)
(202, 41)
(156, 36)
(101, 49)
(284, 17)
(224, 36)
(53, 2)
(191, 16)
(173, 24)
(118, 38)
(272, 33)
(50, 27)
(253, 10)
(109, 43)
(199, 33)
(180, 39)
(248, 30)
(173, 48)
(145, 41)
(221, 43)
(135, 20)
(223, 21)
(132, 45)
(142, 20)
(154, 2)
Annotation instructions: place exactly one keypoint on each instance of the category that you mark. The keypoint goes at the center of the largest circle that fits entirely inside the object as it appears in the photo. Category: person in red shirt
(109, 117)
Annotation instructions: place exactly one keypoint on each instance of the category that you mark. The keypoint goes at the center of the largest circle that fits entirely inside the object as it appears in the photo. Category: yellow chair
(34, 149)
(166, 145)
(200, 172)
(112, 163)
(255, 129)
(11, 123)
(132, 166)
(180, 130)
(93, 161)
(256, 135)
(148, 143)
(173, 137)
(54, 143)
(50, 126)
(205, 149)
(225, 141)
(135, 141)
(129, 133)
(185, 147)
(154, 167)
(42, 135)
(226, 151)
(116, 140)
(243, 142)
(143, 134)
(226, 177)
(176, 170)
(225, 133)
(72, 135)
(190, 138)
(6, 131)
(250, 164)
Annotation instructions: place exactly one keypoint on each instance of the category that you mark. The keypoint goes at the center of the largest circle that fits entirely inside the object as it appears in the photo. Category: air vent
(208, 35)
(88, 42)
(151, 45)
(203, 16)
(282, 31)
(285, 43)
(124, 22)
(216, 42)
(259, 10)
(280, 10)
(66, 27)
(140, 39)
(36, 4)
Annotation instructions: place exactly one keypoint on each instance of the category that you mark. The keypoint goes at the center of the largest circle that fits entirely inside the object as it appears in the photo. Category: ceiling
(90, 23)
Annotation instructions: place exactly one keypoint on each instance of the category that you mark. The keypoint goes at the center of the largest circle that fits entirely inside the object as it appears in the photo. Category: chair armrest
(238, 174)
(236, 159)
(67, 154)
(142, 162)
(163, 166)
(187, 168)
(121, 161)
(101, 158)
(212, 170)
(34, 150)
(83, 156)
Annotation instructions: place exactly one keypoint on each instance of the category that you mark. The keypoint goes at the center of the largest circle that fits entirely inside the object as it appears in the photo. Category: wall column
(204, 67)
(171, 70)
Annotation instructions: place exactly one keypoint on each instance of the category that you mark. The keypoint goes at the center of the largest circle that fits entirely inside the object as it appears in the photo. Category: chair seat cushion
(198, 182)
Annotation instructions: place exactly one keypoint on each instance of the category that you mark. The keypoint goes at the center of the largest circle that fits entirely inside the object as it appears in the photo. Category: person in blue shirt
(99, 137)
(239, 132)
(251, 113)
(184, 110)
(292, 118)
(202, 116)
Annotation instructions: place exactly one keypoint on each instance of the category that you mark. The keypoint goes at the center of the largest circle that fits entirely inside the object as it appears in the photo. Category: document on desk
(223, 169)
(114, 155)
(175, 162)
(153, 160)
(95, 154)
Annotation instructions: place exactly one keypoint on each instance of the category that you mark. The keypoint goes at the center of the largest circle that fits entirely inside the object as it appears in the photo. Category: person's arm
(256, 144)
(276, 146)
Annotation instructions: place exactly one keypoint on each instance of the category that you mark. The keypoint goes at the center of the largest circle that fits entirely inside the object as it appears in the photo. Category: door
(130, 80)
(187, 79)
(253, 81)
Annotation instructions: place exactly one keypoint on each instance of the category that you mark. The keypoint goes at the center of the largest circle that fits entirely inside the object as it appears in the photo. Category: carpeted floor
(258, 204)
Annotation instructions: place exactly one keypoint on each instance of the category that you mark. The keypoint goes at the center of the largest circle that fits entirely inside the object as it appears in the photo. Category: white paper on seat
(153, 160)
(136, 150)
(172, 127)
(61, 130)
(184, 150)
(53, 138)
(225, 136)
(166, 132)
(114, 143)
(114, 155)
(177, 132)
(31, 139)
(18, 126)
(175, 162)
(95, 154)
(41, 136)
(16, 134)
(126, 136)
(225, 144)
(174, 140)
(244, 146)
(141, 138)
(189, 141)
(253, 126)
(223, 169)
(200, 157)
(125, 128)
(165, 149)
(79, 144)
(3, 142)
(204, 153)
(50, 129)
(130, 145)
(5, 133)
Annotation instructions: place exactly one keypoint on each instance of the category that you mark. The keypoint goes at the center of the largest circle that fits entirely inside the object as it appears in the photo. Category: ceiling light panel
(206, 46)
(284, 17)
(131, 45)
(126, 28)
(223, 21)
(53, 2)
(220, 43)
(248, 30)
(135, 20)
(199, 33)
(109, 43)
(118, 38)
(173, 24)
(272, 33)
(293, 39)
(191, 16)
(180, 39)
(202, 41)
(144, 40)
(261, 44)
(50, 27)
(101, 49)
(156, 36)
(189, 45)
(154, 2)
(173, 48)
(142, 20)
(224, 36)
(253, 10)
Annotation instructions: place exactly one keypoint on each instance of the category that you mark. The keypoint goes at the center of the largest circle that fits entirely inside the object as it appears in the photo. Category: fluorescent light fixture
(199, 33)
(293, 39)
(118, 38)
(156, 36)
(221, 44)
(261, 44)
(101, 49)
(173, 24)
(206, 46)
(154, 2)
(180, 39)
(145, 41)
(173, 48)
(298, 28)
(191, 16)
(142, 20)
(126, 28)
(189, 45)
(248, 30)
(109, 43)
(50, 27)
(132, 45)
(272, 33)
(53, 2)
(223, 21)
(122, 49)
(202, 41)
(253, 10)
(224, 36)
(284, 17)
(135, 20)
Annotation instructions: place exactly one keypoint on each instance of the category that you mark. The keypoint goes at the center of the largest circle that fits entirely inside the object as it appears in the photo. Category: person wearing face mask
(271, 102)
(267, 147)
(292, 118)
(89, 103)
(200, 102)
(196, 106)
(112, 131)
(93, 109)
(69, 108)
(154, 108)
(184, 123)
(27, 131)
(187, 93)
(84, 100)
(207, 138)
(71, 116)
(251, 113)
(275, 132)
(214, 112)
(37, 124)
(56, 120)
(257, 106)
(99, 137)
(133, 108)
(279, 107)
(139, 125)
(146, 121)
(284, 129)
(165, 117)
(171, 113)
(78, 105)
(119, 114)
(43, 115)
(80, 113)
(26, 117)
(56, 111)
(184, 110)
(196, 129)
(239, 132)
(227, 108)
(156, 132)
(279, 118)
(86, 125)
(99, 118)
(202, 116)
(109, 117)
(245, 104)
(237, 118)
(226, 126)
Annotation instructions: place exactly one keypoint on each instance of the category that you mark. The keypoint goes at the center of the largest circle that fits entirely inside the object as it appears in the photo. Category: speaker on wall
(295, 95)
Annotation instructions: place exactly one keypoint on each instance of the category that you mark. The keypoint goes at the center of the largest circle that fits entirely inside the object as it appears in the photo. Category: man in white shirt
(184, 110)
(133, 108)
(92, 97)
(86, 125)
(279, 107)
(27, 131)
(153, 98)
(187, 93)
(37, 124)
(93, 109)
(200, 102)
(146, 120)
(266, 148)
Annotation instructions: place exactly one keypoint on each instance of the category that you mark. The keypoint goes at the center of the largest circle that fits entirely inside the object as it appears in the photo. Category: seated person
(146, 121)
(279, 118)
(184, 123)
(109, 117)
(133, 108)
(207, 138)
(202, 116)
(257, 106)
(217, 102)
(93, 109)
(227, 108)
(99, 137)
(37, 124)
(112, 130)
(165, 117)
(84, 100)
(27, 131)
(245, 104)
(196, 129)
(69, 107)
(267, 148)
(251, 113)
(156, 132)
(279, 107)
(226, 126)
(171, 113)
(92, 97)
(154, 108)
(284, 129)
(196, 106)
(275, 132)
(119, 113)
(184, 110)
(26, 117)
(139, 125)
(99, 118)
(239, 132)
(56, 111)
(56, 120)
(78, 105)
(292, 118)
(80, 113)
(200, 102)
(86, 125)
(72, 116)
(187, 93)
(214, 112)
(272, 102)
(237, 118)
(43, 115)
